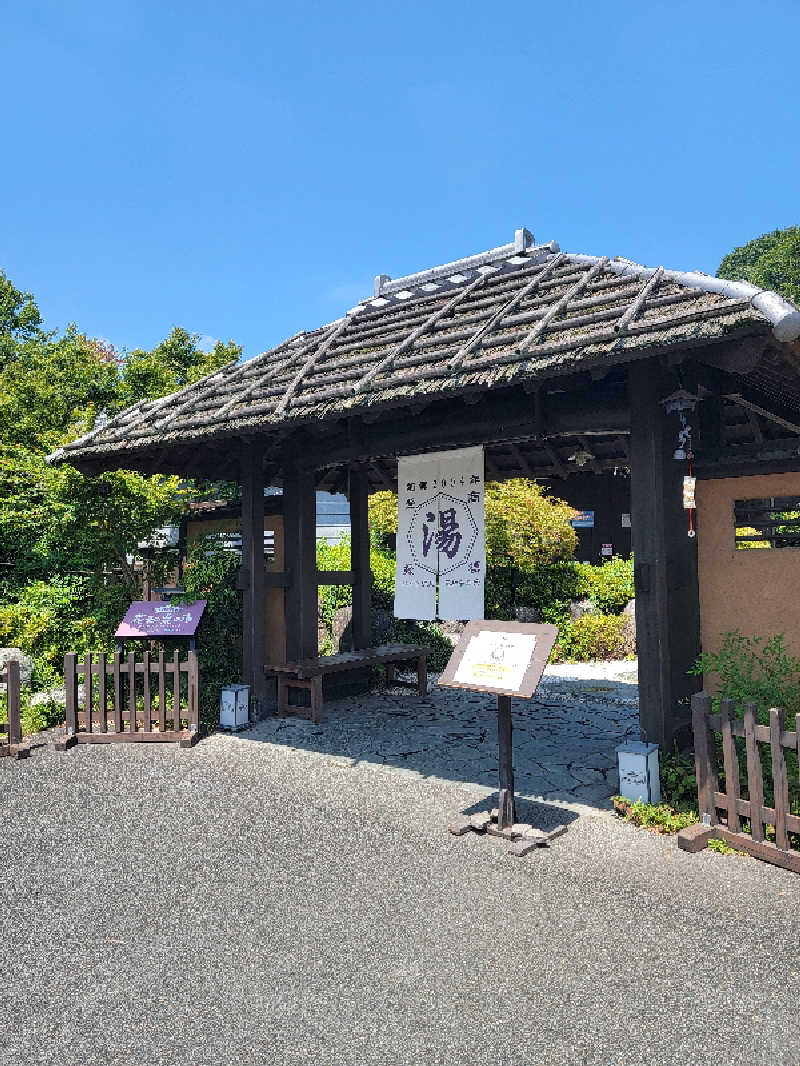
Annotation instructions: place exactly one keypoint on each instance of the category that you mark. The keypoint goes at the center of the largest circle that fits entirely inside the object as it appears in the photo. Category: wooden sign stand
(505, 659)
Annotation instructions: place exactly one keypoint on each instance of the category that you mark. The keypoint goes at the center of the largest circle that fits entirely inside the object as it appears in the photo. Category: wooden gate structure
(127, 700)
(12, 729)
(711, 800)
(556, 363)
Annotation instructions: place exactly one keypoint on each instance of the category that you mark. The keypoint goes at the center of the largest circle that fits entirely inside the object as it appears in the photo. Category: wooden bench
(308, 673)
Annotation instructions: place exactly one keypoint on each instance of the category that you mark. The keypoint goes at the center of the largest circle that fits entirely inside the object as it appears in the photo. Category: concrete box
(233, 706)
(637, 763)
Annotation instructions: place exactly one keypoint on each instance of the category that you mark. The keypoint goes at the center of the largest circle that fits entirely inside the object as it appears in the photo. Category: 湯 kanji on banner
(441, 542)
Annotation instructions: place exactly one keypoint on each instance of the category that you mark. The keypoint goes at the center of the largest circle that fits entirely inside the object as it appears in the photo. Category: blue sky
(245, 169)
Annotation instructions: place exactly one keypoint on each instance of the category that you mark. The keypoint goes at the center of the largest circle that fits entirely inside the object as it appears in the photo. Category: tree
(771, 261)
(65, 539)
(525, 527)
(172, 364)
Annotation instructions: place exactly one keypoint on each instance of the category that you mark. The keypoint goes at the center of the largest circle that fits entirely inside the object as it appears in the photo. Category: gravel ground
(256, 902)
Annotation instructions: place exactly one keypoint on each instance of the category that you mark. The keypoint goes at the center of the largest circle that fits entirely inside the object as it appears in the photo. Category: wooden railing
(733, 806)
(127, 699)
(12, 729)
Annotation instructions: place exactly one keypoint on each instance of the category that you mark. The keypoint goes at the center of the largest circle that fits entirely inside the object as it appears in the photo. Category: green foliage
(67, 613)
(658, 819)
(590, 638)
(210, 574)
(610, 585)
(20, 319)
(525, 528)
(723, 848)
(771, 261)
(405, 631)
(34, 718)
(383, 513)
(757, 669)
(172, 364)
(678, 780)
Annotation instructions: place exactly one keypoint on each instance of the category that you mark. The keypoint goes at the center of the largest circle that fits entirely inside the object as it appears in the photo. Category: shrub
(590, 638)
(609, 586)
(68, 613)
(525, 527)
(660, 819)
(757, 669)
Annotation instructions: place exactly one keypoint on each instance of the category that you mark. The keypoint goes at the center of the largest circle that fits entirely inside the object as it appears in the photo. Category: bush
(660, 819)
(590, 638)
(609, 586)
(67, 613)
(753, 669)
(406, 631)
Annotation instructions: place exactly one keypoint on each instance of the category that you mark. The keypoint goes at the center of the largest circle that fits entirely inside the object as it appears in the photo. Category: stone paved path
(564, 739)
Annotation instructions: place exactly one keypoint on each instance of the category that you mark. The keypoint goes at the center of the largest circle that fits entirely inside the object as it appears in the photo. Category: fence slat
(703, 755)
(176, 675)
(193, 678)
(12, 697)
(132, 691)
(731, 763)
(779, 779)
(102, 699)
(88, 690)
(148, 705)
(71, 691)
(117, 694)
(162, 693)
(755, 781)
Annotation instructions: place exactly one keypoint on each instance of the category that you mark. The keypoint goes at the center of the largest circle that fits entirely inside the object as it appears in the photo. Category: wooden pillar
(253, 648)
(665, 559)
(505, 804)
(359, 558)
(300, 552)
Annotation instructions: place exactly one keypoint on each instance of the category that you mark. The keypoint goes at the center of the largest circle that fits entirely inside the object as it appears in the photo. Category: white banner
(441, 539)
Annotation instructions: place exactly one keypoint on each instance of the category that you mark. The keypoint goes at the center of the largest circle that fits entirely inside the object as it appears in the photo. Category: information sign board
(582, 520)
(504, 658)
(157, 618)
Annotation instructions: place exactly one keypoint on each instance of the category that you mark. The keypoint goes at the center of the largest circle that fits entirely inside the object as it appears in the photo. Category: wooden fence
(129, 700)
(734, 807)
(12, 729)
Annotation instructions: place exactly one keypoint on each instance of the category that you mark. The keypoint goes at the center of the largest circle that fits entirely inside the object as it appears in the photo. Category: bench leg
(422, 675)
(389, 674)
(283, 695)
(316, 699)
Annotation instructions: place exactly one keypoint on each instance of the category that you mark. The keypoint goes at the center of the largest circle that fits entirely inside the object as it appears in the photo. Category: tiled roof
(518, 313)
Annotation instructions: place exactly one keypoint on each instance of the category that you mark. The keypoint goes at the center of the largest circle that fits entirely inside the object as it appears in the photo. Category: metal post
(506, 811)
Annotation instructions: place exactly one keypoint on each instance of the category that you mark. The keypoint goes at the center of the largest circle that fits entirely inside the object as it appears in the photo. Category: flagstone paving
(564, 739)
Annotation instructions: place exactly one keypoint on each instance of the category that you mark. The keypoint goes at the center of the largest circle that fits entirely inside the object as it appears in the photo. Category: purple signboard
(156, 618)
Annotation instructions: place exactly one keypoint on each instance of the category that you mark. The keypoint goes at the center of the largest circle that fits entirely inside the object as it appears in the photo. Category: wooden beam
(252, 527)
(593, 464)
(522, 462)
(775, 413)
(553, 456)
(752, 418)
(335, 577)
(359, 558)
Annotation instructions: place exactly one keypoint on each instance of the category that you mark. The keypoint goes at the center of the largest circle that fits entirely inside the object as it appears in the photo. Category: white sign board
(441, 541)
(496, 660)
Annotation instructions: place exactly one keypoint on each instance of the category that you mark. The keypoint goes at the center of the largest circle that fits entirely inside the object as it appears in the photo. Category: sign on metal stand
(506, 659)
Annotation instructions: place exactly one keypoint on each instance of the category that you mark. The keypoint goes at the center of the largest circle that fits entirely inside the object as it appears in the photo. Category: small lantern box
(233, 707)
(638, 772)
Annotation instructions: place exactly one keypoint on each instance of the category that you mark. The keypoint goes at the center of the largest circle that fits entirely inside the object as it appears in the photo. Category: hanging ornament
(680, 402)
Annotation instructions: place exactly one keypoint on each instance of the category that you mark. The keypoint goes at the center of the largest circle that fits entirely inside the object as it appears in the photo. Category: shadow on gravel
(564, 739)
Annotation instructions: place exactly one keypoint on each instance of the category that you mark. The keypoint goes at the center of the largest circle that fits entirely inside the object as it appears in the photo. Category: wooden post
(665, 572)
(12, 701)
(300, 526)
(506, 813)
(359, 559)
(71, 692)
(253, 647)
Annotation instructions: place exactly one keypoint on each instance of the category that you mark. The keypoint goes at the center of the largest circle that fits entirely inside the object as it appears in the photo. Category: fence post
(703, 756)
(194, 692)
(12, 693)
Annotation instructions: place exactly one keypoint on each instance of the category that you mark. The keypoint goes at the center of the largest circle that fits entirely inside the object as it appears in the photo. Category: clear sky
(244, 169)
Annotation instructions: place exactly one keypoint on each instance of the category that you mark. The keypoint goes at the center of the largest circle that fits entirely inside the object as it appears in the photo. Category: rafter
(335, 333)
(561, 305)
(388, 361)
(633, 310)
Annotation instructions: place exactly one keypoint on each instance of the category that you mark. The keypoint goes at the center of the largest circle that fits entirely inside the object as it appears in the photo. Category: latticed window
(767, 522)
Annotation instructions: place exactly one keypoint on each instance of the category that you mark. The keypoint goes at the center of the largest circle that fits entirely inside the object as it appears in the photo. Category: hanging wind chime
(683, 402)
